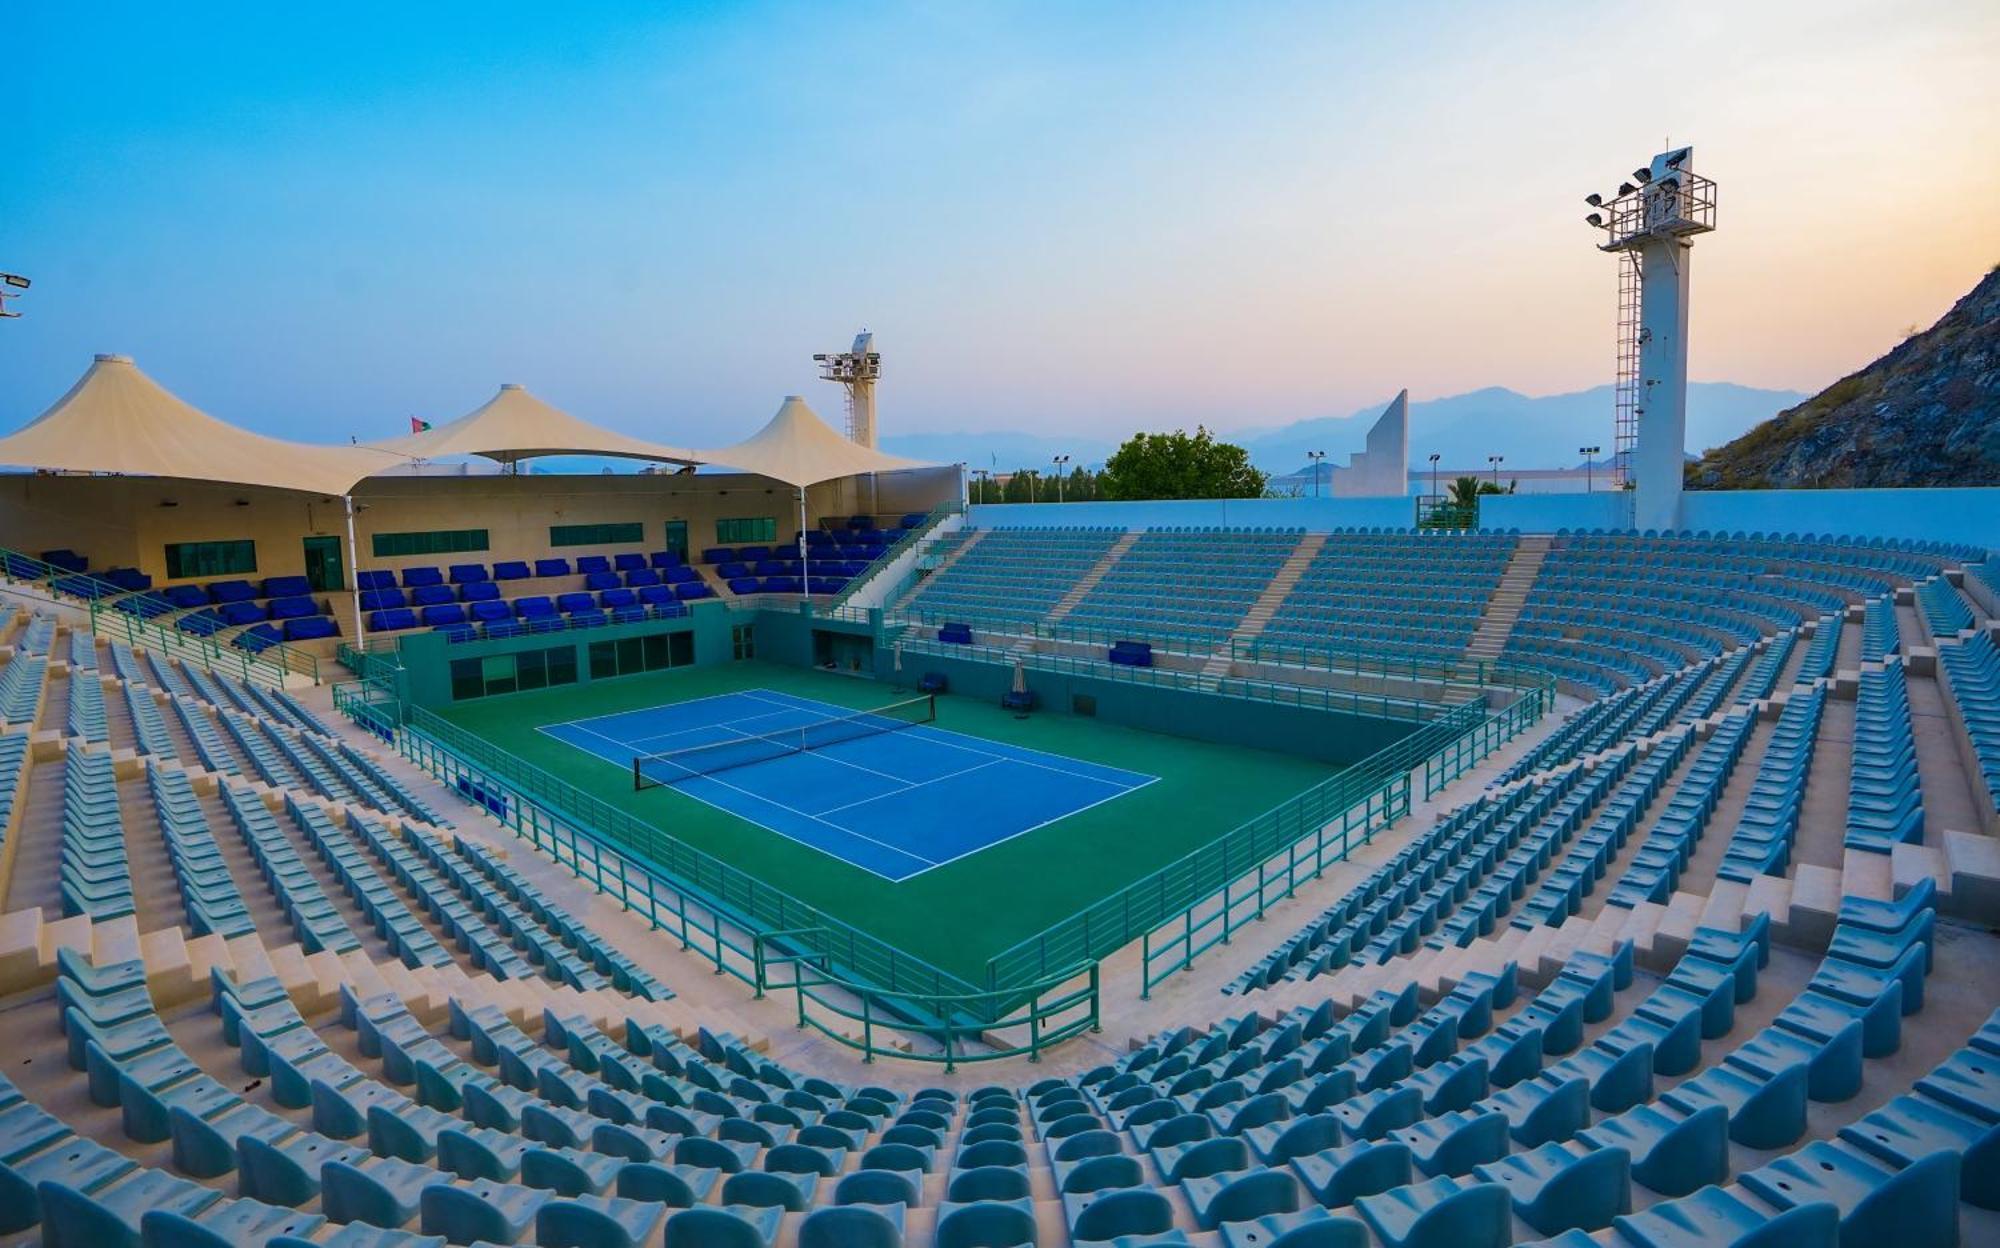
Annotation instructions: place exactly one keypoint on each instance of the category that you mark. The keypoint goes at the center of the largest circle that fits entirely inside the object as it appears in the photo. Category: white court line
(1022, 755)
(907, 786)
(928, 732)
(844, 831)
(983, 846)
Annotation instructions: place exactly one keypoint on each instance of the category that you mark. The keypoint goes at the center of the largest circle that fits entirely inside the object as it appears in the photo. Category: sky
(318, 221)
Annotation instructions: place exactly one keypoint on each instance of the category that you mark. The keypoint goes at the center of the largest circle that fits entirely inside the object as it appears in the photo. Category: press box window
(434, 542)
(746, 531)
(597, 534)
(210, 558)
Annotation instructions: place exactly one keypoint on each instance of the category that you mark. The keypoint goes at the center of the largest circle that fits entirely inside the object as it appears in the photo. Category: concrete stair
(1504, 607)
(973, 539)
(1088, 581)
(1258, 617)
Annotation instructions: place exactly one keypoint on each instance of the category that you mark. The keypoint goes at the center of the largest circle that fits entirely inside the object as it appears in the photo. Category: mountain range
(1531, 431)
(1925, 414)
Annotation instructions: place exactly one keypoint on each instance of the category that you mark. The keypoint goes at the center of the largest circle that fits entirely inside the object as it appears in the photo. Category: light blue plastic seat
(1714, 1216)
(1442, 1213)
(850, 1226)
(596, 1222)
(1553, 1189)
(1915, 1207)
(984, 1225)
(1123, 1213)
(1338, 1177)
(723, 1228)
(497, 1212)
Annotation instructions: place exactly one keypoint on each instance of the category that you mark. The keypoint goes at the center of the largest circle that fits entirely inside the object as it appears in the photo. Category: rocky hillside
(1927, 413)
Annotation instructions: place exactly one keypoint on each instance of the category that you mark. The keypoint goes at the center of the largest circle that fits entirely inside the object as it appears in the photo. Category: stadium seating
(1582, 1000)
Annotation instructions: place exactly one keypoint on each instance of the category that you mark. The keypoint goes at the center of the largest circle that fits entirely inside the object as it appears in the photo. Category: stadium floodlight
(1594, 200)
(1317, 457)
(1060, 462)
(13, 282)
(1625, 188)
(1596, 219)
(1642, 176)
(1434, 457)
(1589, 463)
(1496, 461)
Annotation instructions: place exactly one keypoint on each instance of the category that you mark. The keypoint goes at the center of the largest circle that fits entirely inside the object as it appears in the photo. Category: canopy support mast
(354, 573)
(805, 560)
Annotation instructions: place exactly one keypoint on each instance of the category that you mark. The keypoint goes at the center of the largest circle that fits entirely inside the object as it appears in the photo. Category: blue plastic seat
(1126, 1212)
(984, 1225)
(495, 1212)
(1713, 1216)
(1914, 1207)
(723, 1228)
(1442, 1213)
(1553, 1189)
(1340, 1176)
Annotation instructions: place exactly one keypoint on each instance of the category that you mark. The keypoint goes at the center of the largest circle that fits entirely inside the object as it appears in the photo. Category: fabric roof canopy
(514, 424)
(800, 449)
(117, 419)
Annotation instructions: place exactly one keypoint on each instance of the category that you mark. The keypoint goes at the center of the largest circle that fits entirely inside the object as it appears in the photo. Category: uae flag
(419, 426)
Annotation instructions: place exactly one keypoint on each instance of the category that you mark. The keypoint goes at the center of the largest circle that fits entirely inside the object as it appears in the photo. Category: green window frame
(743, 641)
(746, 530)
(492, 674)
(629, 656)
(228, 558)
(432, 542)
(621, 534)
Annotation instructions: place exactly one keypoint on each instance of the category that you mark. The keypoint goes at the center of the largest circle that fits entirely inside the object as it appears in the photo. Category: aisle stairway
(972, 537)
(1088, 581)
(1504, 608)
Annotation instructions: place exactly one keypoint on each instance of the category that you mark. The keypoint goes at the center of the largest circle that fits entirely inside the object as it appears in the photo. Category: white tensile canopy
(515, 425)
(800, 449)
(116, 419)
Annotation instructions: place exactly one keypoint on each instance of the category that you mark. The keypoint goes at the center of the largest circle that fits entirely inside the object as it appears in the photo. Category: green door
(677, 539)
(323, 570)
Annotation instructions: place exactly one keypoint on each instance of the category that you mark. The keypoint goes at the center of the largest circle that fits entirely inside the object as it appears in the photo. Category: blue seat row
(1885, 805)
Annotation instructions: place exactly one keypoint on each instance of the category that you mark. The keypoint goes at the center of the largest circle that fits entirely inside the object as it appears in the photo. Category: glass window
(597, 534)
(603, 660)
(752, 529)
(232, 558)
(533, 669)
(743, 641)
(499, 671)
(466, 681)
(562, 665)
(438, 542)
(680, 649)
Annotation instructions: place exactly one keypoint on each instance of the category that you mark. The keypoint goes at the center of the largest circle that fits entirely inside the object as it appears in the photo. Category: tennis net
(672, 766)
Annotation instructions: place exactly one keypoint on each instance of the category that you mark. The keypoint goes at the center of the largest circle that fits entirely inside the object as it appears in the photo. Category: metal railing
(538, 804)
(127, 623)
(904, 541)
(1018, 1021)
(1046, 987)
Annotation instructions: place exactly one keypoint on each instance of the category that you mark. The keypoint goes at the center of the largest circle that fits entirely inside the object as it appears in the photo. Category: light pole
(11, 286)
(985, 476)
(1588, 466)
(1434, 457)
(1316, 457)
(1496, 461)
(1059, 462)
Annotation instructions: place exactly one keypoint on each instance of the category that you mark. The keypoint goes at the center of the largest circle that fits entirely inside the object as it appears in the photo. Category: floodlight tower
(1649, 225)
(856, 370)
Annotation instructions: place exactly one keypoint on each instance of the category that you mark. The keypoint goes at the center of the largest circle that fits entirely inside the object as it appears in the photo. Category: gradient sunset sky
(1140, 216)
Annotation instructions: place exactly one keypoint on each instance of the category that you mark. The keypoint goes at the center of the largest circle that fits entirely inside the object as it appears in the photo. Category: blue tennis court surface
(895, 804)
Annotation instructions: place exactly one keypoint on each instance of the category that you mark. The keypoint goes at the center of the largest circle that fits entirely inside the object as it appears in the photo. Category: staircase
(1504, 607)
(1088, 581)
(1258, 617)
(974, 537)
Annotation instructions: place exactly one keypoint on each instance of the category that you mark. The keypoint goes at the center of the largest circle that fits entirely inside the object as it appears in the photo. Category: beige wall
(122, 522)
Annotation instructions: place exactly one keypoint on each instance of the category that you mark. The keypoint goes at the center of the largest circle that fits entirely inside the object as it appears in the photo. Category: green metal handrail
(264, 667)
(692, 876)
(1050, 1010)
(908, 538)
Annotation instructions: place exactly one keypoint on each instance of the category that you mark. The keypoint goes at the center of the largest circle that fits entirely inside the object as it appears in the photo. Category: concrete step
(1972, 865)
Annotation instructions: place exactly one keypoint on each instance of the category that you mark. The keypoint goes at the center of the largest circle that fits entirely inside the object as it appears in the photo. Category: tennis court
(892, 797)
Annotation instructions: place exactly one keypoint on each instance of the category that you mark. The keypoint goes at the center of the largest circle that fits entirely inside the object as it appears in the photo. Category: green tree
(1020, 487)
(1177, 465)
